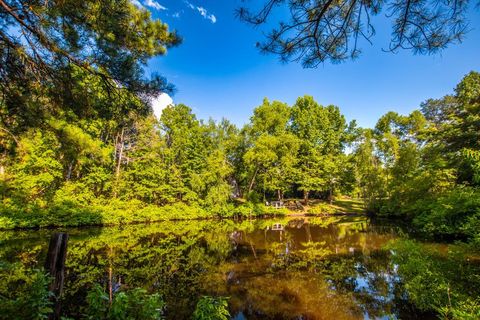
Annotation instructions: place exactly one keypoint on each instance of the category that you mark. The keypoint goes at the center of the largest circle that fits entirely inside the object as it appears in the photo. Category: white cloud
(137, 3)
(176, 15)
(212, 18)
(159, 103)
(203, 12)
(154, 4)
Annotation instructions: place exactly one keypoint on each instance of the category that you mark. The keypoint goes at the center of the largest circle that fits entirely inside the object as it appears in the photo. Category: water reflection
(303, 268)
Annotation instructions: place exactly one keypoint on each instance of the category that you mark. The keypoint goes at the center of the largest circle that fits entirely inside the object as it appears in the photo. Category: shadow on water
(303, 268)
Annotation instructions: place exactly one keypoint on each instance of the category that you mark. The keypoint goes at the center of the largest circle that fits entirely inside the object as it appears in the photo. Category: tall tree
(454, 123)
(322, 132)
(369, 170)
(271, 156)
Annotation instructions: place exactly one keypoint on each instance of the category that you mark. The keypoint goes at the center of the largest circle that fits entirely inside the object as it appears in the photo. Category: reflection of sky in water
(263, 266)
(239, 316)
(284, 242)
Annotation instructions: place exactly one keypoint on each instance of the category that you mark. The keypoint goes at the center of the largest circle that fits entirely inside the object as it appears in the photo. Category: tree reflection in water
(307, 268)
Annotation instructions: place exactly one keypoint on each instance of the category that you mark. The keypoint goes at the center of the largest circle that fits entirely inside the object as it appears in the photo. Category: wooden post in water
(55, 265)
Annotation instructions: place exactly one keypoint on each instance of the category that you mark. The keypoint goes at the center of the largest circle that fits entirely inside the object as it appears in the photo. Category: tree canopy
(111, 39)
(316, 31)
(74, 58)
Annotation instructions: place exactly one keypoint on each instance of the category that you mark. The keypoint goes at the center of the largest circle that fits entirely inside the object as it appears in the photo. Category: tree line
(77, 131)
(424, 166)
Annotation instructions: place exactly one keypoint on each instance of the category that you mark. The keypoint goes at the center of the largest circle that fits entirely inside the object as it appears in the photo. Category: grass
(341, 205)
(349, 205)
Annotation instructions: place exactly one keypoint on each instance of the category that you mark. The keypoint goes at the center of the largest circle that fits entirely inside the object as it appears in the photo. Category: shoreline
(108, 213)
(147, 222)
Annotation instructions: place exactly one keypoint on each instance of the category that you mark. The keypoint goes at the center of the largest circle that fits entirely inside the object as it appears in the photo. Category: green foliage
(453, 214)
(37, 169)
(130, 305)
(448, 285)
(177, 260)
(473, 159)
(254, 210)
(323, 134)
(298, 148)
(321, 208)
(23, 293)
(424, 166)
(270, 158)
(69, 50)
(211, 308)
(103, 161)
(111, 212)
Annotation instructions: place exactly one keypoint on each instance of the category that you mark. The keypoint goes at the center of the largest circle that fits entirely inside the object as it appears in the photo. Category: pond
(287, 268)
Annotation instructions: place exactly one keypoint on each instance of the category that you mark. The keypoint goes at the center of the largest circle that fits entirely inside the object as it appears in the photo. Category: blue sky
(219, 72)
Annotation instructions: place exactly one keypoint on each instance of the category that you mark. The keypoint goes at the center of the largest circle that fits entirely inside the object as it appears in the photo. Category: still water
(288, 268)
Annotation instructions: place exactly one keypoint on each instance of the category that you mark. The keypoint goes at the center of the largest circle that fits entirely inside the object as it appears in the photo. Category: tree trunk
(252, 181)
(305, 197)
(110, 280)
(3, 160)
(55, 265)
(120, 154)
(70, 169)
(308, 231)
(118, 149)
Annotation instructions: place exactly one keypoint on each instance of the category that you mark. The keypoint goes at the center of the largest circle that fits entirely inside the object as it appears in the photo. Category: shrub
(321, 208)
(133, 304)
(455, 214)
(23, 293)
(210, 308)
(446, 283)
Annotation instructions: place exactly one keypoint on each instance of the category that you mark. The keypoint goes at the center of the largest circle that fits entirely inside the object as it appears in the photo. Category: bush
(100, 212)
(133, 304)
(24, 293)
(65, 211)
(455, 214)
(263, 210)
(446, 283)
(321, 208)
(210, 308)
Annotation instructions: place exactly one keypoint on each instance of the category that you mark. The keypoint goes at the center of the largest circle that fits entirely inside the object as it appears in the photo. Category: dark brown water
(298, 268)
